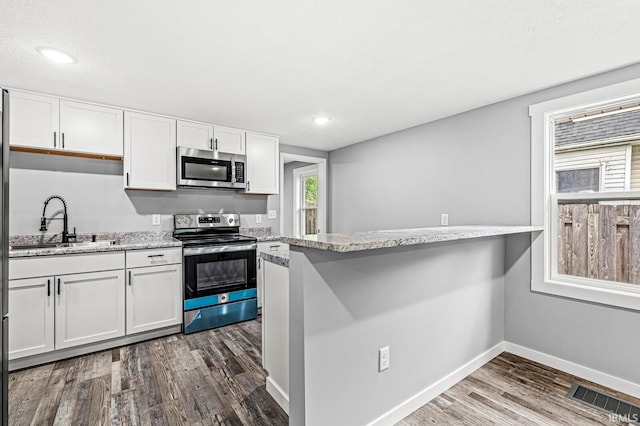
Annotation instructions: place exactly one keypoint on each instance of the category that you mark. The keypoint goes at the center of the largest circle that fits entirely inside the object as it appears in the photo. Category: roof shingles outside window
(596, 129)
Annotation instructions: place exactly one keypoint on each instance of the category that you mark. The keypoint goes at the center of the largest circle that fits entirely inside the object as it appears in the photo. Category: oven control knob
(230, 220)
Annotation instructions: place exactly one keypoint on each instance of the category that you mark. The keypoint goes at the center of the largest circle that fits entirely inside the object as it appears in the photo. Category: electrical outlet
(258, 218)
(155, 219)
(273, 214)
(444, 219)
(383, 358)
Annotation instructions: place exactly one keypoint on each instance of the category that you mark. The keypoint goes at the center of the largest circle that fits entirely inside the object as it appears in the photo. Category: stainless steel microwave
(210, 169)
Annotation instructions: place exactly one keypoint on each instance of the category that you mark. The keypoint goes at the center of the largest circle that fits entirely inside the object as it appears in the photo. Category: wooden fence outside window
(599, 241)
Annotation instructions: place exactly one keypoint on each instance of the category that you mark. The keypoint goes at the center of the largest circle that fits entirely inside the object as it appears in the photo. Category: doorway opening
(303, 194)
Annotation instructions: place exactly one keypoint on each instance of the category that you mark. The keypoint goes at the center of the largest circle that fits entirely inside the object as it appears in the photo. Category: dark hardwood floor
(510, 390)
(209, 378)
(215, 377)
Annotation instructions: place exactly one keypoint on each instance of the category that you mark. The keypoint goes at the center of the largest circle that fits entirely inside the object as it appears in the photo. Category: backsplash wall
(97, 202)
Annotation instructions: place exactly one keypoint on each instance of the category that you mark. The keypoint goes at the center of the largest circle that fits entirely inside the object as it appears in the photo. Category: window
(584, 194)
(579, 180)
(306, 206)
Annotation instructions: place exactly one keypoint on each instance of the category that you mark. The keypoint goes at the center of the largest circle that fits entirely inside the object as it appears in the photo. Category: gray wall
(97, 201)
(476, 167)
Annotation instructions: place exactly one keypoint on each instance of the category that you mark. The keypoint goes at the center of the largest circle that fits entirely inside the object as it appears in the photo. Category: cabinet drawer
(40, 266)
(141, 258)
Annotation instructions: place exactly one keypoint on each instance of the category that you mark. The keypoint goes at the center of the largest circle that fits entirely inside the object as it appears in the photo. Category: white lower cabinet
(275, 332)
(31, 310)
(154, 297)
(264, 246)
(89, 308)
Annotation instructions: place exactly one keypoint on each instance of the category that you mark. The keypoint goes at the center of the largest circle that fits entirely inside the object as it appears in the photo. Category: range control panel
(206, 220)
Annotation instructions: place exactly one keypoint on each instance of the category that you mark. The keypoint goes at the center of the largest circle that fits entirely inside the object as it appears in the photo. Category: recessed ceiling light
(321, 120)
(56, 55)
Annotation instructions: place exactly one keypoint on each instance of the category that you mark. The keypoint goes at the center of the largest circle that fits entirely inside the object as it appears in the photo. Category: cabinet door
(229, 140)
(262, 163)
(264, 247)
(195, 135)
(33, 121)
(149, 151)
(89, 308)
(90, 128)
(31, 310)
(275, 325)
(154, 297)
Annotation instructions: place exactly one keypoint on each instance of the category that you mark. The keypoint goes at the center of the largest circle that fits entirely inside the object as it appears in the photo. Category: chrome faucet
(65, 229)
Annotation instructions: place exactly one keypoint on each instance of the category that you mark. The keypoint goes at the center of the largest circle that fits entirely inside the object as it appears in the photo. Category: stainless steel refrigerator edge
(4, 253)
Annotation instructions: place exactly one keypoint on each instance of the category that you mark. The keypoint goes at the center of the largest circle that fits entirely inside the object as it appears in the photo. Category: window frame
(544, 200)
(298, 189)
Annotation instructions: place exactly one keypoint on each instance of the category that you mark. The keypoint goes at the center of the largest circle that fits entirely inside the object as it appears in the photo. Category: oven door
(201, 171)
(219, 269)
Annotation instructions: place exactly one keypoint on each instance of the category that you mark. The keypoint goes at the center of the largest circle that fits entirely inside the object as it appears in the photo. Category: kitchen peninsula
(433, 296)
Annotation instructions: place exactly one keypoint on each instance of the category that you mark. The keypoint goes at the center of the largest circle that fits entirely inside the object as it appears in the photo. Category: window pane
(582, 180)
(310, 221)
(582, 144)
(311, 191)
(600, 239)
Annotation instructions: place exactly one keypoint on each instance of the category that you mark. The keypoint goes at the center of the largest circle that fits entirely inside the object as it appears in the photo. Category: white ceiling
(373, 66)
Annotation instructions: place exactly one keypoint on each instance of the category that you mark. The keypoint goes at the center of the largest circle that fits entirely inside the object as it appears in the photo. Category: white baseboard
(421, 398)
(278, 394)
(587, 373)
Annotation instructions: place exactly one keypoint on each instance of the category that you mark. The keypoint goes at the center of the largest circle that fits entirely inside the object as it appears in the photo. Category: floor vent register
(622, 410)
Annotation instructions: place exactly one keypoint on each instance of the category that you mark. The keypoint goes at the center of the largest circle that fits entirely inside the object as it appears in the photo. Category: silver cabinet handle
(58, 286)
(129, 277)
(62, 140)
(48, 288)
(215, 144)
(259, 263)
(248, 185)
(211, 143)
(55, 136)
(127, 178)
(155, 255)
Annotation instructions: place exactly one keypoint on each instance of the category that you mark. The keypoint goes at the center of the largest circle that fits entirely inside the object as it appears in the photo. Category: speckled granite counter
(372, 240)
(260, 233)
(123, 241)
(279, 257)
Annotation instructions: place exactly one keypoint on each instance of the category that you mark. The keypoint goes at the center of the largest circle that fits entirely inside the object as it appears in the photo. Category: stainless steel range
(219, 270)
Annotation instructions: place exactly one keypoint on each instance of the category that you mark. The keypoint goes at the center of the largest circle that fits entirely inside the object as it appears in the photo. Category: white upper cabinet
(263, 153)
(62, 126)
(90, 128)
(34, 121)
(149, 152)
(227, 139)
(195, 135)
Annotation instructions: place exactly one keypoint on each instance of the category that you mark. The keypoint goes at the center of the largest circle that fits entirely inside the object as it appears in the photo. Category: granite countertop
(279, 257)
(123, 241)
(372, 240)
(260, 233)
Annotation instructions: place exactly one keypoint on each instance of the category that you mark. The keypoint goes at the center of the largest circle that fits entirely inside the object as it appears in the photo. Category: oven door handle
(194, 251)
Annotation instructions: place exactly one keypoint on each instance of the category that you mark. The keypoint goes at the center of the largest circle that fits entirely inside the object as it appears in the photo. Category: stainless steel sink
(36, 246)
